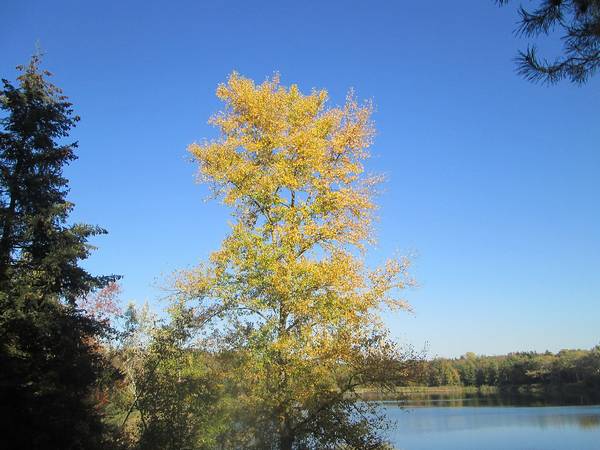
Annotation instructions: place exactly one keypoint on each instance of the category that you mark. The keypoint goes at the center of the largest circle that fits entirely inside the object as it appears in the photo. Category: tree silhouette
(48, 347)
(579, 23)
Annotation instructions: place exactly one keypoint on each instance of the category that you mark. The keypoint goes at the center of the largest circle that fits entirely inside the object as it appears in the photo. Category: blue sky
(492, 181)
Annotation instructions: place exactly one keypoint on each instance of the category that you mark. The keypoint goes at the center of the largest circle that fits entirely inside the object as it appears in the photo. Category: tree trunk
(286, 442)
(5, 240)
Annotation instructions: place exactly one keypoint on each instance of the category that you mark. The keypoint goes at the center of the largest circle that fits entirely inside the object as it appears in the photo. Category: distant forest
(514, 369)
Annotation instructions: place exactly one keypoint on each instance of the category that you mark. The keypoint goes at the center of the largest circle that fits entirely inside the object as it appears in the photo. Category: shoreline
(567, 393)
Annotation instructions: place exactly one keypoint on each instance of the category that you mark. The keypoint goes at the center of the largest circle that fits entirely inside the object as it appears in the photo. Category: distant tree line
(514, 369)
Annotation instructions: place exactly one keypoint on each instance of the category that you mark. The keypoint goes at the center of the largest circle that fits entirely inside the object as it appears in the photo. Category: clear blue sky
(492, 181)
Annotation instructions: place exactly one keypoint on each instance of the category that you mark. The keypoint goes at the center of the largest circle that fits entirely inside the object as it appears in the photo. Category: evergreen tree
(48, 347)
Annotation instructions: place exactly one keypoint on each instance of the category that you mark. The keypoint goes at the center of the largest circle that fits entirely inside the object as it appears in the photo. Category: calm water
(455, 424)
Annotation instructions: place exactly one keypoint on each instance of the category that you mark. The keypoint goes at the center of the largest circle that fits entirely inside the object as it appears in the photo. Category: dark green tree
(49, 355)
(578, 21)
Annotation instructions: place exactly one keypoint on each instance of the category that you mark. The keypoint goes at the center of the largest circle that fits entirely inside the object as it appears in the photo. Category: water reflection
(494, 421)
(590, 421)
(425, 420)
(494, 427)
(509, 398)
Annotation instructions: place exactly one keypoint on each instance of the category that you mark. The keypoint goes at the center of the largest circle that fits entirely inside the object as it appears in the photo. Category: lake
(492, 422)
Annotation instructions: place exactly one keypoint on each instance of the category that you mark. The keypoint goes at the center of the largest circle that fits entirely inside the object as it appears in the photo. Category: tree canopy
(289, 282)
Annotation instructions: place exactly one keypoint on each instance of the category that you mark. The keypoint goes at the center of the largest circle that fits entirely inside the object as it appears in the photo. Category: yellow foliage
(292, 169)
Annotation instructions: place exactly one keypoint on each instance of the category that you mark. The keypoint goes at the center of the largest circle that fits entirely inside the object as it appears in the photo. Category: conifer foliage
(578, 22)
(48, 347)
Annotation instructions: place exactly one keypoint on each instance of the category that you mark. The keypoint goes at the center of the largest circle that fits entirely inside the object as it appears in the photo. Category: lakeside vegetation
(566, 367)
(566, 376)
(273, 341)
